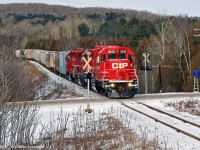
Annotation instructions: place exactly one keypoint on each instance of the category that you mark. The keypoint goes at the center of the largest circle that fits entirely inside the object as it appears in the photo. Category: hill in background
(168, 39)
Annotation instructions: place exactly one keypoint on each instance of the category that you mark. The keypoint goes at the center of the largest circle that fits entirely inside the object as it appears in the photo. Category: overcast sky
(169, 7)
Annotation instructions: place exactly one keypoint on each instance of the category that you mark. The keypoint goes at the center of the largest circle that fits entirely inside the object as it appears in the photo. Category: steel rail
(162, 122)
(166, 113)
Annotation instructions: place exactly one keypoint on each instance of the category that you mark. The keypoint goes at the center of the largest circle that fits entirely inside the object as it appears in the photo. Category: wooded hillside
(168, 39)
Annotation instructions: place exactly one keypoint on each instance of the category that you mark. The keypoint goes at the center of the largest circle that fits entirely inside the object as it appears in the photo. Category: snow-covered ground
(57, 80)
(167, 137)
(176, 139)
(161, 104)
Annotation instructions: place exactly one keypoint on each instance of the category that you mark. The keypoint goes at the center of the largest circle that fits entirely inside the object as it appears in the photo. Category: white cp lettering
(119, 65)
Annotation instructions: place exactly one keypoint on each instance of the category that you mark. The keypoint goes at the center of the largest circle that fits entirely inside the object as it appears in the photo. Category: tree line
(43, 18)
(168, 39)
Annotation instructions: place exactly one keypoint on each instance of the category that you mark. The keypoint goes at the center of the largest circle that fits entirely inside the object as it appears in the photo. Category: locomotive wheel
(98, 86)
(83, 83)
(106, 92)
(67, 76)
(71, 78)
(91, 88)
(132, 93)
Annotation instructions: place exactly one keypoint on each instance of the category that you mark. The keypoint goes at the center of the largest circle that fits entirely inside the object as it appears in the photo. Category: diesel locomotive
(110, 69)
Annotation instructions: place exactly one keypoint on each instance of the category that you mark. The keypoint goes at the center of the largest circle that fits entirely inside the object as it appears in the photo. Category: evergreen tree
(83, 30)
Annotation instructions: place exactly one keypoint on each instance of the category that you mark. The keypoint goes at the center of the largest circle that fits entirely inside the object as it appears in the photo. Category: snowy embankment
(145, 127)
(55, 80)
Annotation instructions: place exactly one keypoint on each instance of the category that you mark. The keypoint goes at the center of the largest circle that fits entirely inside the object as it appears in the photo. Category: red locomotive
(112, 70)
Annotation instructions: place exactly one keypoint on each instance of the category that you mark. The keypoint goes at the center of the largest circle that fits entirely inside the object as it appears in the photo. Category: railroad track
(185, 122)
(150, 116)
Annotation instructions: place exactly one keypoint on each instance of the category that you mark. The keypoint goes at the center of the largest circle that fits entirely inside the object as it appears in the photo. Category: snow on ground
(167, 137)
(160, 103)
(57, 80)
(166, 133)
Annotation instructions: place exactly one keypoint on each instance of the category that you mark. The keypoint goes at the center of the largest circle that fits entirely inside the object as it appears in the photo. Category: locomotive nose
(119, 70)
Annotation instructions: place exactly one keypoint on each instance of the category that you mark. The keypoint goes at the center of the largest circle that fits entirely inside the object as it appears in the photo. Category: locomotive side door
(101, 66)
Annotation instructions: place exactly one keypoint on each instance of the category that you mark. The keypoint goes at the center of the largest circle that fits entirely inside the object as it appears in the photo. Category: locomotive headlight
(130, 84)
(112, 85)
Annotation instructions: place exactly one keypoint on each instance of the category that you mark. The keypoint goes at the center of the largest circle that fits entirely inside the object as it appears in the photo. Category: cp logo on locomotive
(119, 65)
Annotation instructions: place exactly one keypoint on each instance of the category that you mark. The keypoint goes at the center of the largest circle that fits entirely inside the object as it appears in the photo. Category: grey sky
(169, 7)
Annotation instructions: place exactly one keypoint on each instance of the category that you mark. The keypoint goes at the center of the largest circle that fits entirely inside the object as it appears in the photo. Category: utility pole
(146, 60)
(146, 67)
(160, 77)
(145, 72)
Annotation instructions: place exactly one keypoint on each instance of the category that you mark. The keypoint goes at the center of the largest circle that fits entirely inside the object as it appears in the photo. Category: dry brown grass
(47, 89)
(61, 92)
(189, 105)
(108, 132)
(32, 70)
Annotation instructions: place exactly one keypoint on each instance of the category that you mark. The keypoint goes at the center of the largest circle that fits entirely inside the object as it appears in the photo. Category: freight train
(110, 69)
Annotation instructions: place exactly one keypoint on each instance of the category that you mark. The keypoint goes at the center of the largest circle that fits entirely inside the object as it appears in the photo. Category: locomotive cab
(115, 73)
(73, 64)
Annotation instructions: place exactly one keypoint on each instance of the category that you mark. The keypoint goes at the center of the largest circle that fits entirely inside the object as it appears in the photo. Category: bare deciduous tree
(162, 27)
(18, 121)
(179, 46)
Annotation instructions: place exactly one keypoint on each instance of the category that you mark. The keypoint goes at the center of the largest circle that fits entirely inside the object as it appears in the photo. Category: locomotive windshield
(114, 56)
(122, 56)
(111, 56)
